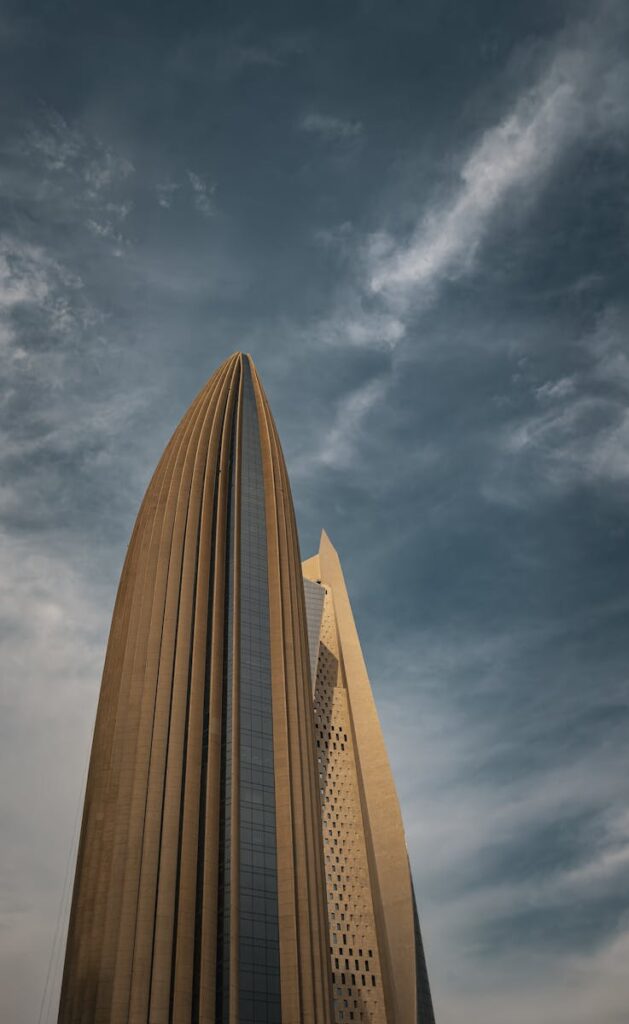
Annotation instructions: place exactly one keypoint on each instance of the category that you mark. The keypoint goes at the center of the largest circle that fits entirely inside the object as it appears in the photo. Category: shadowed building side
(377, 960)
(199, 888)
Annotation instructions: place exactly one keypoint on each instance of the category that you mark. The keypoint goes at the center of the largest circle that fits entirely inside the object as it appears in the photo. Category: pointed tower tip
(230, 360)
(325, 542)
(311, 567)
(238, 356)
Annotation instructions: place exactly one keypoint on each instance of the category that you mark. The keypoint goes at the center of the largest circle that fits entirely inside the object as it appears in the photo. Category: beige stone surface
(143, 929)
(369, 889)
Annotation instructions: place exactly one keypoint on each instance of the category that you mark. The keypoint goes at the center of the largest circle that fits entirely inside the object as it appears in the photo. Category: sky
(415, 216)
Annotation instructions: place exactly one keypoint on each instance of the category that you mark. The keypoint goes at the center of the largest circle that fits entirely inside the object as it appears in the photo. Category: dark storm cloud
(415, 219)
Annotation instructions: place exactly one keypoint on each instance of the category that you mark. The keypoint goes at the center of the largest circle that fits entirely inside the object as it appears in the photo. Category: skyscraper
(376, 955)
(201, 893)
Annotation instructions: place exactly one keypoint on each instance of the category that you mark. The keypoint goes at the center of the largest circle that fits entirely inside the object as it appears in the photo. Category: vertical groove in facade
(377, 958)
(258, 940)
(223, 950)
(171, 808)
(233, 897)
(208, 875)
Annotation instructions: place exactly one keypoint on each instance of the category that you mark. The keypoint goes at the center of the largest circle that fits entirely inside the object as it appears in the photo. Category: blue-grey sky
(416, 218)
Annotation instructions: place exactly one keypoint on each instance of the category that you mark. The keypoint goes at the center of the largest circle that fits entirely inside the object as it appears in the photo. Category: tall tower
(199, 893)
(376, 955)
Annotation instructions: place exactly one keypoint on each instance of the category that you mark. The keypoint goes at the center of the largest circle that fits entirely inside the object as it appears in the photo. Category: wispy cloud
(75, 173)
(64, 397)
(65, 147)
(236, 54)
(576, 441)
(577, 430)
(32, 279)
(358, 324)
(64, 401)
(578, 97)
(24, 274)
(575, 99)
(202, 192)
(166, 192)
(331, 128)
(507, 850)
(338, 441)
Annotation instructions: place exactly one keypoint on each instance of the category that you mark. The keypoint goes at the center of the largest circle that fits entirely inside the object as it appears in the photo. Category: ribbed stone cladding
(199, 893)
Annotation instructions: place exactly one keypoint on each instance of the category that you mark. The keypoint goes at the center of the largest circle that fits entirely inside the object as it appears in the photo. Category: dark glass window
(224, 847)
(258, 924)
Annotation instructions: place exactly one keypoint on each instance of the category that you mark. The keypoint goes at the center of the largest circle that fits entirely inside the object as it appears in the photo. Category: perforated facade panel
(354, 956)
(376, 953)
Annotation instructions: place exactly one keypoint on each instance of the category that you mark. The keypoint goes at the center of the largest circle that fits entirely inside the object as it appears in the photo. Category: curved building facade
(200, 890)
